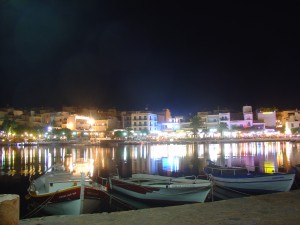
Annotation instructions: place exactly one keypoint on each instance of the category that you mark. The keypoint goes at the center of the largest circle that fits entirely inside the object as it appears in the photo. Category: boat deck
(280, 209)
(162, 181)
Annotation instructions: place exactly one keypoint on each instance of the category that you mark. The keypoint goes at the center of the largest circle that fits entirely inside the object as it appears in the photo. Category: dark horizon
(187, 57)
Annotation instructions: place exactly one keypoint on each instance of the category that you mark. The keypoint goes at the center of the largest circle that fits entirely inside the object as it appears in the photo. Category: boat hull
(256, 184)
(72, 207)
(167, 195)
(68, 202)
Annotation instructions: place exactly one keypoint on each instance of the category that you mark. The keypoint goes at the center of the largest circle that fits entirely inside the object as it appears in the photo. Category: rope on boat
(39, 207)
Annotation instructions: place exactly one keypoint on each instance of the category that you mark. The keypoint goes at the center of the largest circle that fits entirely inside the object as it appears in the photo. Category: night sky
(187, 56)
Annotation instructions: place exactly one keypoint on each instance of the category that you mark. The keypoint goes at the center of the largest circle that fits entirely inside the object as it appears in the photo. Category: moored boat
(59, 192)
(162, 190)
(245, 181)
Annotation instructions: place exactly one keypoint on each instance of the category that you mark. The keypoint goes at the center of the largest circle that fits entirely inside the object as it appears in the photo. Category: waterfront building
(233, 121)
(290, 119)
(268, 117)
(126, 119)
(144, 120)
(173, 124)
(140, 121)
(58, 120)
(164, 116)
(100, 125)
(97, 120)
(79, 123)
(292, 125)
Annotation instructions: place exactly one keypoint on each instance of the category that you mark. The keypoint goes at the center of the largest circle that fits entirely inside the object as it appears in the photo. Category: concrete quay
(271, 209)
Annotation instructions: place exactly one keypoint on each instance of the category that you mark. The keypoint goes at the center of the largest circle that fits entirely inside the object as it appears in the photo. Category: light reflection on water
(183, 159)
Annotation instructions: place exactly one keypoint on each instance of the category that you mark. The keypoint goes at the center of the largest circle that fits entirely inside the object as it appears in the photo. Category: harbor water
(19, 164)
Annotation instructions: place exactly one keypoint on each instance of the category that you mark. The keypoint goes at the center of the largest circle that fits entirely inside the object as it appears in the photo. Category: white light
(49, 129)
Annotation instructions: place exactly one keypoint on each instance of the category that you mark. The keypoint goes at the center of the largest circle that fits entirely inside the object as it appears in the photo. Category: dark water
(17, 165)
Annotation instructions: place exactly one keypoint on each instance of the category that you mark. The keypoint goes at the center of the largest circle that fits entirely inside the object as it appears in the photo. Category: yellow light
(269, 167)
(91, 121)
(70, 125)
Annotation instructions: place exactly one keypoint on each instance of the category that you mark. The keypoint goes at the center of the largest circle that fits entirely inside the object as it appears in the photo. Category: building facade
(144, 121)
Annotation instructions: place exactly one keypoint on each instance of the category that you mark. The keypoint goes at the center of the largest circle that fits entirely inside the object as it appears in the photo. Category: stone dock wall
(272, 209)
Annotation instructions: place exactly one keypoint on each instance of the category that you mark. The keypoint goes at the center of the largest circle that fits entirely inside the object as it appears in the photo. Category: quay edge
(114, 142)
(278, 208)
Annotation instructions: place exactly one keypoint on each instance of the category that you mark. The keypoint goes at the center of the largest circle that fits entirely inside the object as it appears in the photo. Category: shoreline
(181, 141)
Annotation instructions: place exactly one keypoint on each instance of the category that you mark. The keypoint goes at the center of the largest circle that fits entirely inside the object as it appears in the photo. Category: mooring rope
(39, 207)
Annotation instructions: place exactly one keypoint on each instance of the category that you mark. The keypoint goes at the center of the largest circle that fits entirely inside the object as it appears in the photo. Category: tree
(120, 134)
(130, 132)
(62, 132)
(205, 131)
(196, 124)
(236, 128)
(222, 127)
(145, 131)
(281, 129)
(9, 125)
(295, 130)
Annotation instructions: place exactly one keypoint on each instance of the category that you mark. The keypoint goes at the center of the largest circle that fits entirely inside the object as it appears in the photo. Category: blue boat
(242, 180)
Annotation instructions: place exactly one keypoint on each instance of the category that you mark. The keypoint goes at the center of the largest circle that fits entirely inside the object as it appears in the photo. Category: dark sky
(183, 55)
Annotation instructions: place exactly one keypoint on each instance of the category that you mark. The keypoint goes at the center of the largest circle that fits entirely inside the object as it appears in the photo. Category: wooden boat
(162, 190)
(242, 180)
(59, 192)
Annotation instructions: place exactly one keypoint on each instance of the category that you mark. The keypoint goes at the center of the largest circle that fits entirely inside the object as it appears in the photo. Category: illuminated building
(269, 118)
(141, 120)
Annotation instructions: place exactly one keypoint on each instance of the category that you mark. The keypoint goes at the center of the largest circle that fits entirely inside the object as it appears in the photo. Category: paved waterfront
(273, 209)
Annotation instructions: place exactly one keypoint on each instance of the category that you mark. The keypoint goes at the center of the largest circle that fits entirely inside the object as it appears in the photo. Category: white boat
(242, 180)
(162, 190)
(59, 192)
